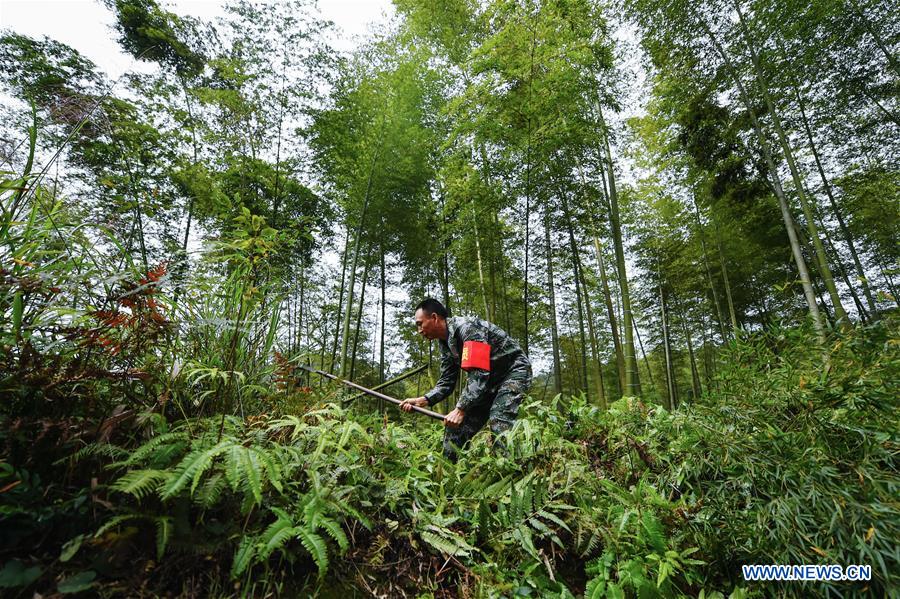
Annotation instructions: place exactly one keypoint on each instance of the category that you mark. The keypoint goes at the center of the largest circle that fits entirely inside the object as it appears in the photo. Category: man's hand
(454, 418)
(409, 402)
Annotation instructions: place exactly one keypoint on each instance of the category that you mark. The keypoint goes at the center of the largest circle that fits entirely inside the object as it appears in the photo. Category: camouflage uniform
(490, 396)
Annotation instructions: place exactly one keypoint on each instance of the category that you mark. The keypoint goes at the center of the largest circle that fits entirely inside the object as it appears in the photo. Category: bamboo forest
(239, 280)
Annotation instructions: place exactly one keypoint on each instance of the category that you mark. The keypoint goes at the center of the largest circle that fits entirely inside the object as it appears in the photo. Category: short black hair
(429, 305)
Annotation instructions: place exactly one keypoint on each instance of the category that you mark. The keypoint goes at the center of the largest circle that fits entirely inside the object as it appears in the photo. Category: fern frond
(163, 532)
(210, 491)
(192, 467)
(271, 465)
(496, 490)
(349, 510)
(117, 520)
(252, 474)
(335, 531)
(243, 470)
(140, 483)
(515, 504)
(288, 422)
(312, 509)
(243, 556)
(553, 518)
(279, 533)
(148, 448)
(523, 535)
(545, 531)
(316, 547)
(106, 450)
(528, 497)
(654, 532)
(596, 589)
(446, 541)
(484, 518)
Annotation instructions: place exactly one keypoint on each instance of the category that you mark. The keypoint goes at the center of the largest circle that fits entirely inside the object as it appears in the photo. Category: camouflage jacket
(505, 354)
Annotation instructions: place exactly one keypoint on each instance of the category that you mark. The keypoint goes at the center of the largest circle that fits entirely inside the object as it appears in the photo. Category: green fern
(298, 426)
(147, 449)
(210, 491)
(103, 450)
(522, 534)
(192, 468)
(243, 556)
(140, 483)
(163, 532)
(276, 535)
(273, 470)
(446, 541)
(335, 531)
(553, 518)
(243, 471)
(316, 547)
(116, 521)
(252, 472)
(654, 532)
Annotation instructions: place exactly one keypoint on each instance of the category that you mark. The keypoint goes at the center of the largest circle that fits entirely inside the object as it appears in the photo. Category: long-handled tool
(393, 400)
(386, 384)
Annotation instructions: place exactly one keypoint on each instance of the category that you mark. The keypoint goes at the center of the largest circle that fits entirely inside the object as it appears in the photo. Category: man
(499, 374)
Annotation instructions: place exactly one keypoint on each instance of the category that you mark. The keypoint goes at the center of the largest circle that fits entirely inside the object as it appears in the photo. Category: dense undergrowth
(787, 463)
(153, 443)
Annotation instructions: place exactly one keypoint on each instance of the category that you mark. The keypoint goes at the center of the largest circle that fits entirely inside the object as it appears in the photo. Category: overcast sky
(86, 24)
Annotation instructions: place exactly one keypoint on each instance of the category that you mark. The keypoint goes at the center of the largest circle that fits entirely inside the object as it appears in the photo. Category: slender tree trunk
(596, 361)
(504, 291)
(707, 358)
(579, 296)
(359, 313)
(525, 306)
(340, 304)
(611, 314)
(632, 380)
(607, 296)
(324, 330)
(877, 38)
(845, 230)
(728, 298)
(190, 206)
(554, 330)
(300, 313)
(381, 341)
(646, 361)
(709, 279)
(138, 216)
(487, 311)
(345, 337)
(779, 191)
(276, 201)
(696, 387)
(444, 272)
(805, 205)
(492, 277)
(671, 386)
(842, 272)
(890, 283)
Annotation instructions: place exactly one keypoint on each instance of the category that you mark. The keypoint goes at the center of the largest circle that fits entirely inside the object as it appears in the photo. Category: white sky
(86, 25)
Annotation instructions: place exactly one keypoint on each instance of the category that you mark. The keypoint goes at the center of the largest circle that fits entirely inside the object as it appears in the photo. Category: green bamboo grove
(686, 214)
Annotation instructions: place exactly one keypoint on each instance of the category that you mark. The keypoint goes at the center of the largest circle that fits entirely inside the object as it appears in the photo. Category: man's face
(428, 325)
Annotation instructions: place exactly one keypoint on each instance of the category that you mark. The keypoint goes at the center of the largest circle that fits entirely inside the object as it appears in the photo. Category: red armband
(476, 354)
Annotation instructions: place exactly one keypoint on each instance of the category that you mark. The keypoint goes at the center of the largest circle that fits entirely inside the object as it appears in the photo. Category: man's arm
(447, 382)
